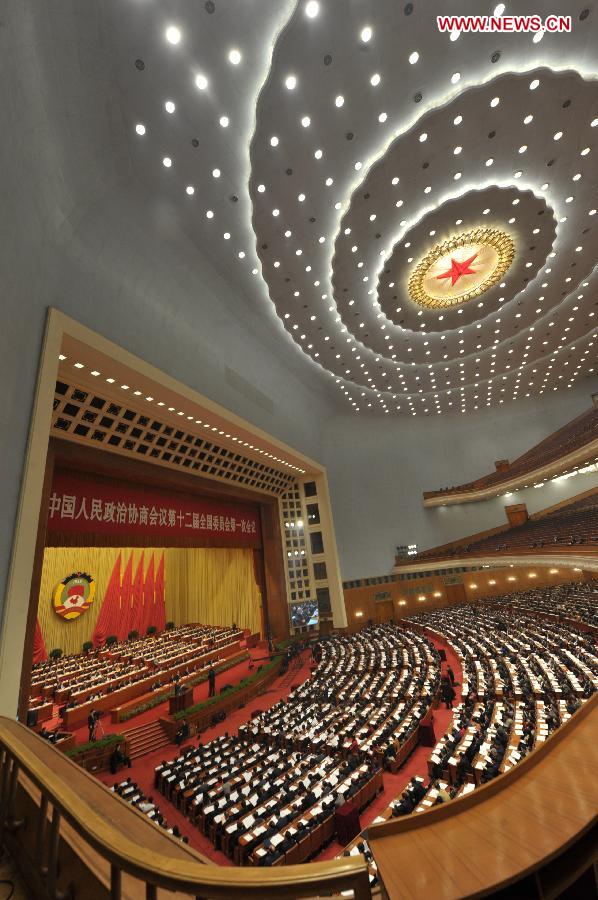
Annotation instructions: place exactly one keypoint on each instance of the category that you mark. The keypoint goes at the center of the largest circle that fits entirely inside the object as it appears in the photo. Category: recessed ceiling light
(523, 148)
(366, 34)
(167, 162)
(216, 173)
(457, 150)
(558, 135)
(457, 120)
(382, 117)
(338, 101)
(312, 8)
(495, 101)
(489, 161)
(457, 176)
(201, 82)
(329, 181)
(139, 128)
(585, 151)
(173, 34)
(534, 84)
(234, 57)
(190, 189)
(375, 79)
(413, 57)
(226, 235)
(499, 10)
(538, 37)
(290, 82)
(169, 106)
(301, 198)
(274, 141)
(455, 77)
(358, 166)
(209, 214)
(275, 212)
(224, 121)
(306, 121)
(95, 373)
(423, 137)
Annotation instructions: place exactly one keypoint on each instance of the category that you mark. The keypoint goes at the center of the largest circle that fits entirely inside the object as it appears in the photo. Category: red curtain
(126, 592)
(39, 646)
(109, 617)
(148, 598)
(159, 603)
(137, 612)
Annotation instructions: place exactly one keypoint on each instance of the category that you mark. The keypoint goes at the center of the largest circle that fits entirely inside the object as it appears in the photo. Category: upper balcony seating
(573, 436)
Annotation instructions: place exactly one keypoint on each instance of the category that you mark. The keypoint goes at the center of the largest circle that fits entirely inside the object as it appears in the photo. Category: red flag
(109, 617)
(39, 645)
(137, 599)
(159, 604)
(148, 598)
(126, 591)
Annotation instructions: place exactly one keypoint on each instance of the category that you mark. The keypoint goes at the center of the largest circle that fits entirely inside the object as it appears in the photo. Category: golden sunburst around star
(462, 268)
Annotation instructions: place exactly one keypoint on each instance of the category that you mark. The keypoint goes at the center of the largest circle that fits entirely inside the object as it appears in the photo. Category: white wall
(377, 472)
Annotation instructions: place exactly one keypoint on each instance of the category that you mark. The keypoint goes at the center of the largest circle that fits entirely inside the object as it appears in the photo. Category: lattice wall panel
(89, 418)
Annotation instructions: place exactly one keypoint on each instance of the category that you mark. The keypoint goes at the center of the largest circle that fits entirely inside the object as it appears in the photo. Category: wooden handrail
(89, 807)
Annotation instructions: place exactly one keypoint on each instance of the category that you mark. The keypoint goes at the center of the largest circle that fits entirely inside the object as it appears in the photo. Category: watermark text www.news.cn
(553, 24)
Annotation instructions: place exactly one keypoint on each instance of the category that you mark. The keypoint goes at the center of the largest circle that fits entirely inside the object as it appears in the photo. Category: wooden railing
(71, 838)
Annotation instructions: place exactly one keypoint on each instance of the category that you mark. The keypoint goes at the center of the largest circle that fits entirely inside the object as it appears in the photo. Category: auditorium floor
(143, 769)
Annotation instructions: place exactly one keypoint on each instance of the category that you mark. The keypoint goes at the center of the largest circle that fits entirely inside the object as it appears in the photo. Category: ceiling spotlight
(139, 128)
(201, 82)
(558, 135)
(290, 82)
(457, 120)
(224, 121)
(366, 34)
(382, 117)
(423, 137)
(489, 161)
(457, 150)
(306, 121)
(527, 120)
(534, 84)
(216, 173)
(173, 34)
(499, 10)
(375, 79)
(274, 141)
(413, 57)
(538, 37)
(312, 8)
(234, 57)
(209, 214)
(338, 101)
(455, 77)
(169, 106)
(167, 162)
(584, 152)
(190, 189)
(318, 154)
(495, 101)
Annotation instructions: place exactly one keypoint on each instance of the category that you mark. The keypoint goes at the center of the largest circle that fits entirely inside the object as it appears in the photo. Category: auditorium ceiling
(417, 208)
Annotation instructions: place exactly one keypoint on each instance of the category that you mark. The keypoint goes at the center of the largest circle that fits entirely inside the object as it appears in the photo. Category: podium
(427, 735)
(180, 701)
(347, 824)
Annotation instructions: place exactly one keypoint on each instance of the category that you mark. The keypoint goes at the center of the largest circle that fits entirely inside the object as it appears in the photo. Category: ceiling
(317, 151)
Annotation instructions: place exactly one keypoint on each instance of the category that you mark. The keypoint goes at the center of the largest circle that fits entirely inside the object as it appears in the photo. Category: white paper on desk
(219, 818)
(304, 821)
(378, 819)
(208, 809)
(248, 821)
(231, 828)
(286, 811)
(292, 830)
(316, 810)
(354, 851)
(246, 790)
(343, 789)
(259, 830)
(234, 796)
(260, 852)
(276, 840)
(318, 792)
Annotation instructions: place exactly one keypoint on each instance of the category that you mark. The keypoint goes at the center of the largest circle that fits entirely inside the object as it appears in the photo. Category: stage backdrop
(215, 586)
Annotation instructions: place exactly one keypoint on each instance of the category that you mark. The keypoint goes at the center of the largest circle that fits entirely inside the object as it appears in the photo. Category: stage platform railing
(71, 838)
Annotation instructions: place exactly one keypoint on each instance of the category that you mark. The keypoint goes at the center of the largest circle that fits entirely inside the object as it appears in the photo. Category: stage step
(145, 739)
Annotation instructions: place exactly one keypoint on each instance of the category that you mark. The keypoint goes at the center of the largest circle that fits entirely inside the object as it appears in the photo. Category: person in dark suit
(91, 725)
(211, 681)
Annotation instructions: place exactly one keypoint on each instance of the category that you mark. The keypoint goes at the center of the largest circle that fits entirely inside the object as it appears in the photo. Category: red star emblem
(458, 269)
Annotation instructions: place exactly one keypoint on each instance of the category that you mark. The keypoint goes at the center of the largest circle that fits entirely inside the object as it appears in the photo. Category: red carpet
(143, 769)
